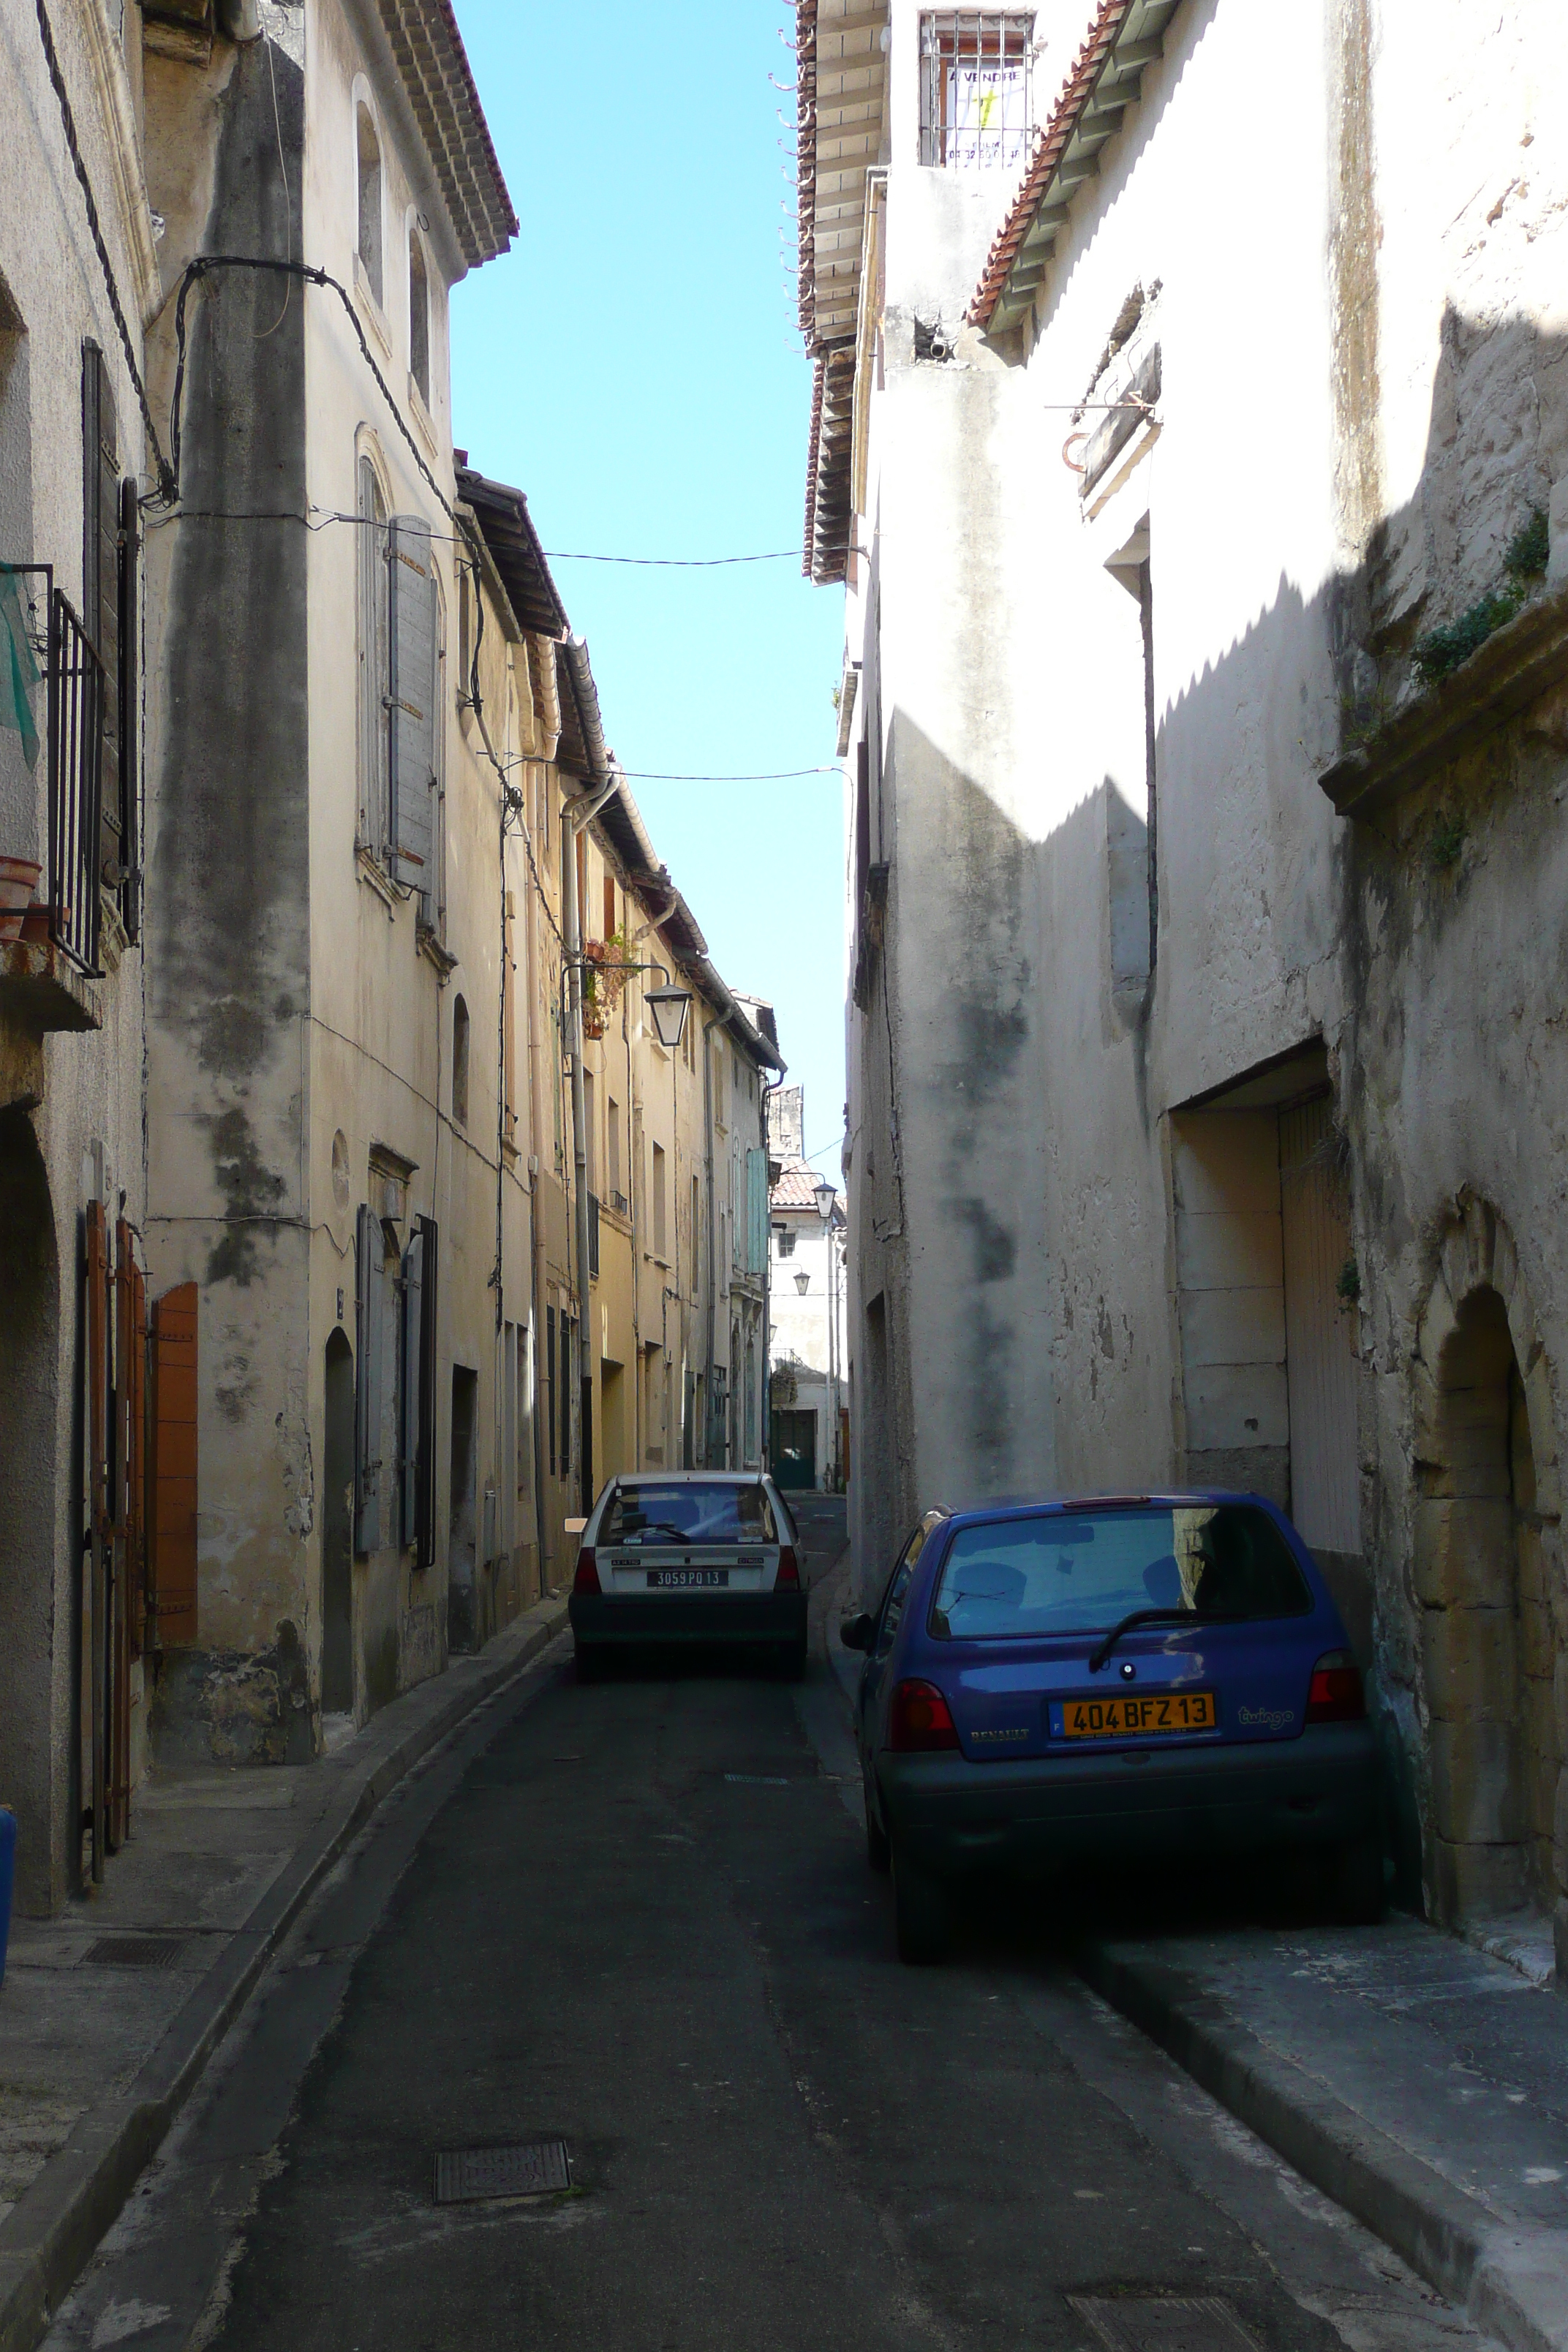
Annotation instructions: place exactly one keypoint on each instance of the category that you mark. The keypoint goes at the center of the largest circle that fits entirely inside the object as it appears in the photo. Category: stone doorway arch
(35, 1629)
(1487, 1561)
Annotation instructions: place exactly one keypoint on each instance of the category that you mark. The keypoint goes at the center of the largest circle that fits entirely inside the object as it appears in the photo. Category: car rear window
(1083, 1572)
(675, 1513)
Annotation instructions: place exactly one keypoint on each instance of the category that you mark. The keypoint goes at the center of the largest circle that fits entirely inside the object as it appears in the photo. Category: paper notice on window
(986, 111)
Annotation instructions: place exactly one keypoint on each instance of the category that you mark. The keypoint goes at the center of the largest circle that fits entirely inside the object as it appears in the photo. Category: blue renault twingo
(1121, 1677)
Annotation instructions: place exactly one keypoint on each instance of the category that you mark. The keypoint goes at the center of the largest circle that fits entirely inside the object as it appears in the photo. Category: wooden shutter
(100, 589)
(411, 701)
(124, 690)
(369, 1341)
(424, 1441)
(172, 1548)
(418, 1405)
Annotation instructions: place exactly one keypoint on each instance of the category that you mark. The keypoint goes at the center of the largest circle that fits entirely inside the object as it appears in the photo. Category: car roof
(689, 1477)
(1188, 1498)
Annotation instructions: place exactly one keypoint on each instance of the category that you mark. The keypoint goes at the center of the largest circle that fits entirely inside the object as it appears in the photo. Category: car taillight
(788, 1578)
(919, 1718)
(1336, 1693)
(587, 1577)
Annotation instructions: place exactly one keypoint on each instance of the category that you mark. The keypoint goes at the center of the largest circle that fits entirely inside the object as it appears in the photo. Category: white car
(672, 1557)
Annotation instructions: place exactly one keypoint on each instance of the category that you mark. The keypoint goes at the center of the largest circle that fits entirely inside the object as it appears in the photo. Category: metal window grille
(976, 88)
(77, 705)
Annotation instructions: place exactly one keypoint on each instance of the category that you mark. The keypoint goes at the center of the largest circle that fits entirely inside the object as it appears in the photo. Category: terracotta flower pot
(19, 880)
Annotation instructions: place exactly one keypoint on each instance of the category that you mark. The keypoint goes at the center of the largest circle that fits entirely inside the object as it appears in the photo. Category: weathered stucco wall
(1360, 405)
(70, 1126)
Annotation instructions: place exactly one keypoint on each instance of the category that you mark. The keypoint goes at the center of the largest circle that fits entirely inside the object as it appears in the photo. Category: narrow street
(637, 1916)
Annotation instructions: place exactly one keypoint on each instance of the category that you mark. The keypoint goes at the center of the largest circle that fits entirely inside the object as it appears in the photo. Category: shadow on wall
(34, 1634)
(1444, 919)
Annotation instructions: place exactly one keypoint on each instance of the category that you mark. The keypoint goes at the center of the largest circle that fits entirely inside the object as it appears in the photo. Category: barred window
(976, 94)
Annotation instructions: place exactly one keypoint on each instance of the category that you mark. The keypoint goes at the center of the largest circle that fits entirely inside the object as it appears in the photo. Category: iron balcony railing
(77, 686)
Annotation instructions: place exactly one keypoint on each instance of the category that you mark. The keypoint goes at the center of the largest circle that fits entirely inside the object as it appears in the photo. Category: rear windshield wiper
(1151, 1617)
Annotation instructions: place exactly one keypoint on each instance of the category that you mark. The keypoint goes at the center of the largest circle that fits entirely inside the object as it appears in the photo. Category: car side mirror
(858, 1633)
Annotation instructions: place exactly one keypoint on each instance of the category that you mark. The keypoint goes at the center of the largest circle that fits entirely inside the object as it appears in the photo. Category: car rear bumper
(1315, 1790)
(686, 1617)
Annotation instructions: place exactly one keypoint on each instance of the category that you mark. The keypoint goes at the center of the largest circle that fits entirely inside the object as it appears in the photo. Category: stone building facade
(1203, 559)
(301, 1377)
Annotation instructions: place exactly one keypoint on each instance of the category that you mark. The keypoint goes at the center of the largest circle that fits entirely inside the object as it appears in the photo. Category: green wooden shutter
(411, 700)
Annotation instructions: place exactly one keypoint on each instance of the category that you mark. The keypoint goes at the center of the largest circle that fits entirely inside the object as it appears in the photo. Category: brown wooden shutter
(95, 1596)
(172, 1551)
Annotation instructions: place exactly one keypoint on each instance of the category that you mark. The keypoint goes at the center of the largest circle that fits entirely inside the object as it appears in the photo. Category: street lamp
(802, 1281)
(670, 1006)
(826, 1195)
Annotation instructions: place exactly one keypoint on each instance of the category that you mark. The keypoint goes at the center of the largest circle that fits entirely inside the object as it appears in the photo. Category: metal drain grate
(1165, 2323)
(134, 1952)
(531, 2169)
(761, 1779)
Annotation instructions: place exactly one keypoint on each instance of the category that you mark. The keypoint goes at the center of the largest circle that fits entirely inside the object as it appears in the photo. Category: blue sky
(633, 364)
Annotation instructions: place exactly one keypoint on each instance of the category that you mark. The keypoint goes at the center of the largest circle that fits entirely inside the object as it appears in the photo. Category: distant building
(807, 1386)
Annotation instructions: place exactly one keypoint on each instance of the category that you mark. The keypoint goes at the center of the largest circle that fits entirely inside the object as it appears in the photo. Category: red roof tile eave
(1050, 145)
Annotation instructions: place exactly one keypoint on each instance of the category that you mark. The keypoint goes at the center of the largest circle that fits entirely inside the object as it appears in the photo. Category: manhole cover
(1165, 2323)
(529, 2169)
(134, 1952)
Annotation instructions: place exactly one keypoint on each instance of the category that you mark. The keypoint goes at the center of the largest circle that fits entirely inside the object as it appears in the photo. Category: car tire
(1355, 1883)
(878, 1853)
(923, 1916)
(590, 1663)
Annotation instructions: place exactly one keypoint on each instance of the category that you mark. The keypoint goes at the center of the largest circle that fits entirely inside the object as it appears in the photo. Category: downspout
(708, 1028)
(574, 820)
(770, 1089)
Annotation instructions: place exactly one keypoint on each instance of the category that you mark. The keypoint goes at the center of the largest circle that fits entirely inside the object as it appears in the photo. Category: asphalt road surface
(636, 1916)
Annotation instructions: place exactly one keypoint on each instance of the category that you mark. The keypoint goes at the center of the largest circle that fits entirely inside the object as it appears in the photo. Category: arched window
(418, 317)
(460, 1063)
(372, 660)
(369, 198)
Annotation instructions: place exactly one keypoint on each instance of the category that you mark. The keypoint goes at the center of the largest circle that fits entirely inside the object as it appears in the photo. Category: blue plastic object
(8, 1873)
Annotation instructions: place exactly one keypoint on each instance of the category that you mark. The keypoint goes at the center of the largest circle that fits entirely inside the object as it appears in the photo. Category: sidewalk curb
(1510, 2282)
(53, 2230)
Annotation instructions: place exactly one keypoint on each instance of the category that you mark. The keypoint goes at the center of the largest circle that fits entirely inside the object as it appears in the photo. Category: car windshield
(1083, 1572)
(673, 1512)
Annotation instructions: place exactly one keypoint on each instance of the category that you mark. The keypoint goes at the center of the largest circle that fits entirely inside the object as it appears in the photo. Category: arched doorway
(31, 1624)
(1486, 1563)
(337, 1530)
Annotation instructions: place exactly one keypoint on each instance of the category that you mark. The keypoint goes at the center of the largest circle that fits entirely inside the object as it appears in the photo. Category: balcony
(48, 974)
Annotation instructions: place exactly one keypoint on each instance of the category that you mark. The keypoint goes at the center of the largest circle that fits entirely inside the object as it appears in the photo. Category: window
(649, 1512)
(661, 1211)
(612, 1152)
(566, 1331)
(369, 199)
(976, 95)
(373, 659)
(785, 1236)
(1082, 1572)
(609, 905)
(418, 317)
(460, 1063)
(590, 1139)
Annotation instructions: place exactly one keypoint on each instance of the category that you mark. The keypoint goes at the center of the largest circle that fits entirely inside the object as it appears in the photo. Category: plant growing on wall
(1441, 651)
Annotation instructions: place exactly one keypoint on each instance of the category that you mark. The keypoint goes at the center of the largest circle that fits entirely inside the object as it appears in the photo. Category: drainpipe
(765, 1404)
(708, 1028)
(575, 821)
